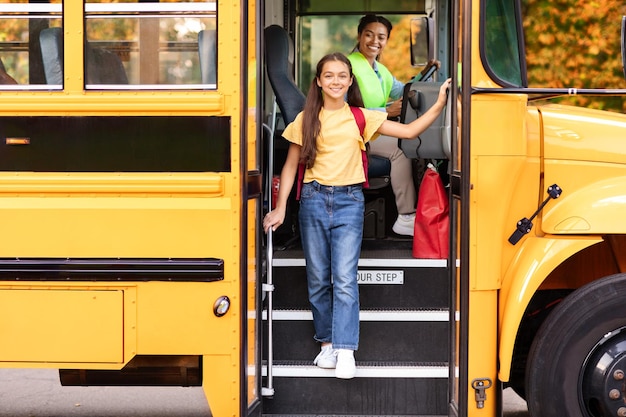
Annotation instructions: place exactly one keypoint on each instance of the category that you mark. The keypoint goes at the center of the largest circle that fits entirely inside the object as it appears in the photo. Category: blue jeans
(331, 228)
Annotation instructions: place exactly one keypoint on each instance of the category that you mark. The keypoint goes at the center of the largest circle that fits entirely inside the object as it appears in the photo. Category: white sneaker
(327, 358)
(346, 367)
(404, 225)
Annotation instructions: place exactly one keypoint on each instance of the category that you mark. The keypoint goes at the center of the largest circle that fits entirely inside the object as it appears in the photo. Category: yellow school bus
(140, 144)
(130, 187)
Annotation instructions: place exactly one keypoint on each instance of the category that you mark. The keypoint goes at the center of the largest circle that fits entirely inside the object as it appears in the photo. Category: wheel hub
(603, 377)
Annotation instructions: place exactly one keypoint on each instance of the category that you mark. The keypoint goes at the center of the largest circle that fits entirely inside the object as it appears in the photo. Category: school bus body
(127, 224)
(120, 258)
(526, 150)
(513, 152)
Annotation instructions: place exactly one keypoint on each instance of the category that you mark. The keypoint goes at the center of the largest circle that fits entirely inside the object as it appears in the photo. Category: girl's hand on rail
(273, 219)
(444, 91)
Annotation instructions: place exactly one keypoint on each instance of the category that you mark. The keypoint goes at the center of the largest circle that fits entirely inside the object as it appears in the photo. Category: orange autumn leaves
(576, 44)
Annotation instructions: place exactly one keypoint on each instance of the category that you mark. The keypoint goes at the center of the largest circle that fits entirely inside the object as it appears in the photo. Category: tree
(576, 44)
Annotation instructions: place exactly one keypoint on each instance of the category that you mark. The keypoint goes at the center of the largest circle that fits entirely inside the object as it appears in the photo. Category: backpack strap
(359, 117)
(300, 180)
(360, 121)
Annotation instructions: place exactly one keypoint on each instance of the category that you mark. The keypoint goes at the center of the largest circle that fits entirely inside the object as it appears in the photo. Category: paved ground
(514, 406)
(38, 393)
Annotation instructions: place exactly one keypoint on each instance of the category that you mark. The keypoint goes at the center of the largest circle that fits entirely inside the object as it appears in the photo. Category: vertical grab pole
(268, 286)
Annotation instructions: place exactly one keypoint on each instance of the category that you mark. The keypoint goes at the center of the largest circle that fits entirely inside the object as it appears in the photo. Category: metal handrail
(268, 286)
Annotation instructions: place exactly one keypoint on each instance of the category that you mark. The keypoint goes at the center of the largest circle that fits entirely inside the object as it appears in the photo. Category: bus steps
(402, 361)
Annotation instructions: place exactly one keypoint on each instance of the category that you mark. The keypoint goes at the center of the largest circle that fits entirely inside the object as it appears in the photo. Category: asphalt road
(38, 393)
(514, 406)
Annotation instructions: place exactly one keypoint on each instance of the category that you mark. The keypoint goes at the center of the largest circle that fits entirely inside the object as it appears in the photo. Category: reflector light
(221, 306)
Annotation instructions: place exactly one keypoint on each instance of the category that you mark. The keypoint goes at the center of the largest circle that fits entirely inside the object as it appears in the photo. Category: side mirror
(624, 45)
(423, 41)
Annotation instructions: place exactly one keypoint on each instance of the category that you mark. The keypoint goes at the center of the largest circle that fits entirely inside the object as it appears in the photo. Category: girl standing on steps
(326, 139)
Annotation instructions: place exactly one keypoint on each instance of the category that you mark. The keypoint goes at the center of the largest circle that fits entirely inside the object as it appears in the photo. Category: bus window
(20, 51)
(150, 45)
(502, 46)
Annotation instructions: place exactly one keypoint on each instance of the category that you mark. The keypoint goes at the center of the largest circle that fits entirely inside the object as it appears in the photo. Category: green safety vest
(375, 91)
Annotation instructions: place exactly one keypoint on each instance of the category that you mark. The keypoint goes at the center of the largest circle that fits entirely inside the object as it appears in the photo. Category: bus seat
(378, 172)
(279, 48)
(433, 143)
(51, 44)
(104, 67)
(207, 47)
(5, 78)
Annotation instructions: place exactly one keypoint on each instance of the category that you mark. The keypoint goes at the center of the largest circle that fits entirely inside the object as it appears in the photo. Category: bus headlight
(221, 306)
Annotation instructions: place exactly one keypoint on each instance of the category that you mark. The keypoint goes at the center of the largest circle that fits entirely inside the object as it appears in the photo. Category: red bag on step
(432, 222)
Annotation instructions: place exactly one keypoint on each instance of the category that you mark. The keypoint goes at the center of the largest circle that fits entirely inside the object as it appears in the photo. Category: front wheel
(577, 362)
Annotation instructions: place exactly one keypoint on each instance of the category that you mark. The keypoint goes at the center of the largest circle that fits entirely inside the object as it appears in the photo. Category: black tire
(564, 376)
(539, 308)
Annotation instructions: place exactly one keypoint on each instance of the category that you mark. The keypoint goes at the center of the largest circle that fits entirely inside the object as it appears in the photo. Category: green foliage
(576, 44)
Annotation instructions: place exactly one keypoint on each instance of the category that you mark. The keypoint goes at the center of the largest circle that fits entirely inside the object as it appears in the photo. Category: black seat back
(51, 43)
(278, 49)
(207, 50)
(103, 67)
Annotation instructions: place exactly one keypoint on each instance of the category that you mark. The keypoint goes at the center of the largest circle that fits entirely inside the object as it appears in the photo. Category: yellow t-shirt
(338, 161)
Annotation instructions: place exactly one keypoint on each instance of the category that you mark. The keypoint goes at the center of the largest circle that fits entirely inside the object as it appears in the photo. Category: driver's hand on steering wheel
(394, 108)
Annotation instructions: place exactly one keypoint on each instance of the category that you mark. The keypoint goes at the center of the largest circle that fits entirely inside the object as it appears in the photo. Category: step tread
(379, 310)
(303, 369)
(404, 248)
(391, 314)
(368, 262)
(372, 364)
(381, 253)
(352, 415)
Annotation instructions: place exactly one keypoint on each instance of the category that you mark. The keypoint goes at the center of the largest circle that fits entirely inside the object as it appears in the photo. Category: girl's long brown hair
(311, 125)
